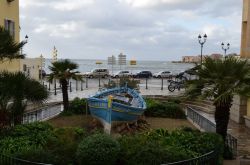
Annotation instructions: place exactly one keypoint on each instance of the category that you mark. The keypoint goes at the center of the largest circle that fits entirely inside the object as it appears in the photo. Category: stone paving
(242, 133)
(87, 92)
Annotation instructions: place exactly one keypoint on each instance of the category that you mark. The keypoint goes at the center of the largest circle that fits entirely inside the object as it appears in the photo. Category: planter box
(247, 121)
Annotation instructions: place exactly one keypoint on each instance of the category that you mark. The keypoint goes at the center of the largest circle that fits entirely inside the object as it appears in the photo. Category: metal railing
(203, 123)
(231, 142)
(42, 114)
(206, 125)
(88, 83)
(7, 160)
(210, 158)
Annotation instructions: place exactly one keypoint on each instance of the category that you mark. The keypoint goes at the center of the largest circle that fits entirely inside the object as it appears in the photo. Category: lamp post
(25, 41)
(225, 48)
(99, 76)
(202, 41)
(41, 68)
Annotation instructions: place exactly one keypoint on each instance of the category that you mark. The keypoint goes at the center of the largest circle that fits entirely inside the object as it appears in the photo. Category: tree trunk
(4, 119)
(65, 94)
(222, 113)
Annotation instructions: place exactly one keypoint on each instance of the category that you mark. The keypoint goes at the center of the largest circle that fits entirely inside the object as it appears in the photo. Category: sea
(86, 65)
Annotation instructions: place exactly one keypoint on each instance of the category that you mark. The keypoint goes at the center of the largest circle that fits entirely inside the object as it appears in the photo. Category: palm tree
(221, 80)
(9, 49)
(63, 71)
(18, 89)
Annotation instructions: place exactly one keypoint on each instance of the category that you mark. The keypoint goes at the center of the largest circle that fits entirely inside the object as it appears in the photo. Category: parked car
(143, 74)
(163, 74)
(98, 73)
(119, 74)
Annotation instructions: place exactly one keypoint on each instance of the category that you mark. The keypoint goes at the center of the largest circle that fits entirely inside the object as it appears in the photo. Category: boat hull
(109, 112)
(118, 112)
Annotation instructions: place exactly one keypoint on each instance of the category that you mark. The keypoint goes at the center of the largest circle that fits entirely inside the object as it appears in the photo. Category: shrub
(168, 109)
(78, 106)
(147, 149)
(26, 137)
(65, 145)
(98, 149)
(36, 155)
(148, 154)
(174, 100)
(9, 146)
(31, 129)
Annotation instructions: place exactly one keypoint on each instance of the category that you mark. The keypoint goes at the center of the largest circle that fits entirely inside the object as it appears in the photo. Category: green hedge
(173, 146)
(98, 149)
(64, 146)
(78, 106)
(167, 109)
(26, 137)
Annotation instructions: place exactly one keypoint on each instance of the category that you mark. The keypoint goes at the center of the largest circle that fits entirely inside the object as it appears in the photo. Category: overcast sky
(142, 29)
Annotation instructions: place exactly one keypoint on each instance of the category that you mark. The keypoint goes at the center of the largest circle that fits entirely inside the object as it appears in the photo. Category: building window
(10, 26)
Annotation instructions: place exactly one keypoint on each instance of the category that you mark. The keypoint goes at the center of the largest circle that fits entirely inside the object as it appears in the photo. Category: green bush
(31, 129)
(168, 109)
(174, 100)
(147, 149)
(98, 149)
(26, 137)
(9, 146)
(78, 106)
(36, 155)
(149, 154)
(65, 145)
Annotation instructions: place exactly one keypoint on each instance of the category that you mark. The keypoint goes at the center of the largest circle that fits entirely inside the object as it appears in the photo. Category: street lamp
(41, 68)
(25, 41)
(225, 48)
(202, 41)
(26, 38)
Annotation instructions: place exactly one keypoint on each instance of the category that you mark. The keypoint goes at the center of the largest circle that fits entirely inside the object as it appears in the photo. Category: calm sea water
(153, 66)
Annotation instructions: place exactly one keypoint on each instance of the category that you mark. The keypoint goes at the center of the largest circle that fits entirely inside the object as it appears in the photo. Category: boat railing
(132, 92)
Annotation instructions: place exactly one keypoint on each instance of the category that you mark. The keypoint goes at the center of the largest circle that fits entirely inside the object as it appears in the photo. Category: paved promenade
(87, 92)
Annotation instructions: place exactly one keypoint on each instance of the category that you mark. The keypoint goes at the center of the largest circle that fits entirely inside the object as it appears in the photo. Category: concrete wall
(11, 66)
(245, 33)
(10, 11)
(238, 109)
(33, 65)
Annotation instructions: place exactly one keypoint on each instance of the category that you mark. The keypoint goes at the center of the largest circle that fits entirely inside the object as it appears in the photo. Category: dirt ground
(84, 121)
(169, 124)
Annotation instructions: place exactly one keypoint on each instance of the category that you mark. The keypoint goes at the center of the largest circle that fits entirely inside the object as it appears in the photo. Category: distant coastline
(182, 62)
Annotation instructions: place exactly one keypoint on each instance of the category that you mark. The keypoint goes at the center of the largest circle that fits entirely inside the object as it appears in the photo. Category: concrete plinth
(238, 109)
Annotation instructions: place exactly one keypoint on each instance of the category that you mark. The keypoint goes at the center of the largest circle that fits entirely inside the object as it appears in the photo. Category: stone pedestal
(238, 109)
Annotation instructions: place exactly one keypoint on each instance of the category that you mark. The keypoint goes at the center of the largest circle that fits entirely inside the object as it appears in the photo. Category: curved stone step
(200, 108)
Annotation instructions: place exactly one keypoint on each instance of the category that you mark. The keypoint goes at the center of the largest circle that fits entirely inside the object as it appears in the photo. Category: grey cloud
(107, 27)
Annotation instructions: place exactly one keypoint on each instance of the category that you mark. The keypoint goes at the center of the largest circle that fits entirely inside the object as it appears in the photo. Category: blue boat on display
(116, 105)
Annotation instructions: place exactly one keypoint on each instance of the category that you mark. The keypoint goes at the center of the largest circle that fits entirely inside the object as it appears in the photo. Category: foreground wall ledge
(247, 121)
